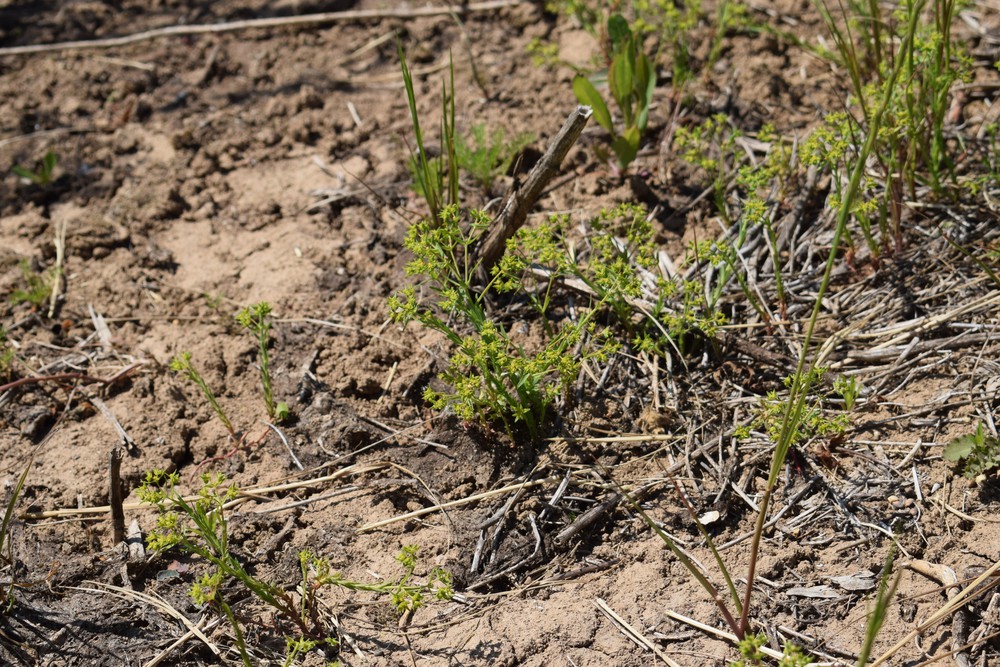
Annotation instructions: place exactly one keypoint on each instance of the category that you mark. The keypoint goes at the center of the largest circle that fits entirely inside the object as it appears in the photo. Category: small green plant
(542, 54)
(5, 542)
(710, 147)
(38, 286)
(978, 451)
(751, 654)
(631, 80)
(849, 388)
(213, 301)
(198, 526)
(485, 156)
(42, 173)
(7, 355)
(672, 23)
(618, 264)
(182, 365)
(730, 16)
(814, 420)
(256, 320)
(434, 178)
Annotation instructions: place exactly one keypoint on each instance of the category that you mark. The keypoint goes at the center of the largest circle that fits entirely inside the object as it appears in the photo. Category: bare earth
(200, 174)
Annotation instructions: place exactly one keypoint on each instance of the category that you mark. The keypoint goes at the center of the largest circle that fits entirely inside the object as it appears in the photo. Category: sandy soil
(199, 174)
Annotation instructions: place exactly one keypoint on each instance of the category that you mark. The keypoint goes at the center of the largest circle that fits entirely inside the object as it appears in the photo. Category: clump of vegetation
(496, 378)
(487, 155)
(670, 22)
(815, 420)
(7, 355)
(37, 286)
(42, 173)
(631, 80)
(182, 365)
(434, 178)
(199, 527)
(910, 59)
(256, 319)
(5, 545)
(493, 377)
(979, 452)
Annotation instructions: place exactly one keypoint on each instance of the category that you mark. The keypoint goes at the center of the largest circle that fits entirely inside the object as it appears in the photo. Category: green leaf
(621, 77)
(587, 94)
(960, 448)
(49, 163)
(626, 146)
(618, 32)
(645, 84)
(24, 173)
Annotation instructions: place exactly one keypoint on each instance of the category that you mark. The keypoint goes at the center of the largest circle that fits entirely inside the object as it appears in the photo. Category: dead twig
(63, 377)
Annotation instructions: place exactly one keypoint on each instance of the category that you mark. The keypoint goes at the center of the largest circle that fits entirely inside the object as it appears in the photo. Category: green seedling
(434, 178)
(496, 378)
(730, 16)
(198, 526)
(751, 654)
(485, 156)
(618, 264)
(712, 147)
(672, 23)
(213, 301)
(849, 388)
(7, 355)
(42, 173)
(182, 365)
(38, 286)
(256, 320)
(979, 452)
(543, 54)
(631, 80)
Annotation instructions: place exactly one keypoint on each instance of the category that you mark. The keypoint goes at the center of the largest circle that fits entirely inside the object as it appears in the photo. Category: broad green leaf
(959, 448)
(587, 94)
(626, 146)
(24, 173)
(49, 162)
(620, 79)
(618, 32)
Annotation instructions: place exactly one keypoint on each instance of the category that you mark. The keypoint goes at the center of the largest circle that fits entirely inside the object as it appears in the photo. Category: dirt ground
(200, 174)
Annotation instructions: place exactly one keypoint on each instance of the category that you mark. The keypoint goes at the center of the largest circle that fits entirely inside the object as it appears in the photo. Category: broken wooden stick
(521, 199)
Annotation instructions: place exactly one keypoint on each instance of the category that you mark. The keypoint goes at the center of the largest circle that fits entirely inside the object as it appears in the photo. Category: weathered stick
(277, 22)
(521, 200)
